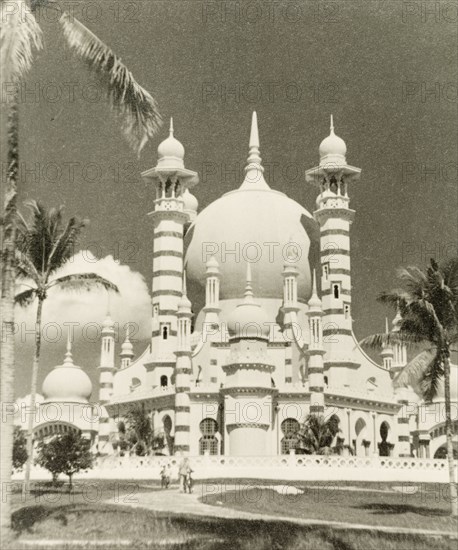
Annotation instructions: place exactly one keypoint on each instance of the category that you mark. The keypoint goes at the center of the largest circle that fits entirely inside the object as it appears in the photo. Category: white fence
(289, 467)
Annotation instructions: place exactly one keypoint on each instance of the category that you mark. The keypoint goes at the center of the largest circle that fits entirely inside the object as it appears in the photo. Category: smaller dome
(189, 201)
(127, 349)
(332, 148)
(68, 383)
(184, 304)
(170, 152)
(108, 325)
(212, 262)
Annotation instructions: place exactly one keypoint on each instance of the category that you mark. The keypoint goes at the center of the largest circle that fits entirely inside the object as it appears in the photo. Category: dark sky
(387, 70)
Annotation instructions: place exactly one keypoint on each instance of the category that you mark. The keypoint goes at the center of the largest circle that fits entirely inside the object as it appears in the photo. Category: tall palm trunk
(33, 394)
(7, 317)
(449, 436)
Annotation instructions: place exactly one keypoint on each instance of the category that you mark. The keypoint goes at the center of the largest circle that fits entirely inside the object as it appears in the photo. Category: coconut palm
(20, 35)
(45, 244)
(428, 305)
(317, 434)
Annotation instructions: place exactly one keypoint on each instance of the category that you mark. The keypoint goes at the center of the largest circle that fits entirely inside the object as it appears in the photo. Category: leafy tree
(65, 454)
(19, 448)
(139, 430)
(428, 304)
(45, 245)
(317, 434)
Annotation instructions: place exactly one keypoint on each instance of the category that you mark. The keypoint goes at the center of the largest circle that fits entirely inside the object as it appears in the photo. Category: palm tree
(317, 434)
(20, 34)
(428, 305)
(45, 245)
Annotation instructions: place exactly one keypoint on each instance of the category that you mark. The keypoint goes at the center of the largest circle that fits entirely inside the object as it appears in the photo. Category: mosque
(274, 341)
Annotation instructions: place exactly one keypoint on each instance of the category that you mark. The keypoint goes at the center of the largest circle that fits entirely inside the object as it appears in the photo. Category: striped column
(167, 274)
(315, 353)
(182, 378)
(403, 443)
(106, 375)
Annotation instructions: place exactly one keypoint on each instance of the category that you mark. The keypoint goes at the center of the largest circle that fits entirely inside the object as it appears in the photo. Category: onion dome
(190, 203)
(248, 319)
(67, 382)
(108, 325)
(244, 220)
(333, 148)
(170, 152)
(127, 349)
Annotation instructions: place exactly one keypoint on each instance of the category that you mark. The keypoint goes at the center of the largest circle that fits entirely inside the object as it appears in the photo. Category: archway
(385, 447)
(167, 424)
(362, 443)
(208, 441)
(289, 428)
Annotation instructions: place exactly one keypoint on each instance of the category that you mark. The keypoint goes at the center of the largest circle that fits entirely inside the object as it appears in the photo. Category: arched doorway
(167, 424)
(362, 444)
(289, 428)
(385, 448)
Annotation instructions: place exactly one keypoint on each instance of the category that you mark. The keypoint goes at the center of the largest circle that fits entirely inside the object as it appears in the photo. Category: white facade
(269, 347)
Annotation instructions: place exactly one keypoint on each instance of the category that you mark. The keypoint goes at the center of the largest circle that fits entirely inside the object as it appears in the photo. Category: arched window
(165, 332)
(208, 441)
(164, 381)
(289, 428)
(336, 290)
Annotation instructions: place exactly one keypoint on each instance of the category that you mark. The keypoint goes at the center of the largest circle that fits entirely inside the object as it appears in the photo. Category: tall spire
(171, 127)
(331, 129)
(248, 286)
(68, 361)
(254, 171)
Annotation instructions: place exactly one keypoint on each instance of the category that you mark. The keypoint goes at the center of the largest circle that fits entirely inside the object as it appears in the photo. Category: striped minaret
(106, 374)
(170, 179)
(315, 353)
(290, 274)
(333, 175)
(183, 374)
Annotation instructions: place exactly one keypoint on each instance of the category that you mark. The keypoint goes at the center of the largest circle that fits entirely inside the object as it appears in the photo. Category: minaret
(183, 374)
(106, 370)
(170, 179)
(212, 308)
(254, 170)
(333, 213)
(127, 351)
(387, 352)
(315, 353)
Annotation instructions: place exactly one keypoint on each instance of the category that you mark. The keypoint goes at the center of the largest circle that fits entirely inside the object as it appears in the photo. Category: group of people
(184, 473)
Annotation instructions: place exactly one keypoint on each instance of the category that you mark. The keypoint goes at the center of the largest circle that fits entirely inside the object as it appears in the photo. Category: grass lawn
(50, 514)
(387, 504)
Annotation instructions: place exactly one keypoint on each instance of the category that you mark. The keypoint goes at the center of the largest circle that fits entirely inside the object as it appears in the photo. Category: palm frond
(26, 297)
(395, 298)
(25, 268)
(432, 378)
(413, 373)
(136, 107)
(65, 244)
(83, 281)
(19, 35)
(414, 280)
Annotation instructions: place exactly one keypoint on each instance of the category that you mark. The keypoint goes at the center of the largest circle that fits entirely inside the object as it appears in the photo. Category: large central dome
(263, 226)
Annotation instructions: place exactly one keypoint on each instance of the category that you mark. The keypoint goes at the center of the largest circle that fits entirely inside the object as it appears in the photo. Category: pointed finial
(248, 286)
(314, 292)
(68, 356)
(254, 133)
(171, 126)
(332, 125)
(387, 328)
